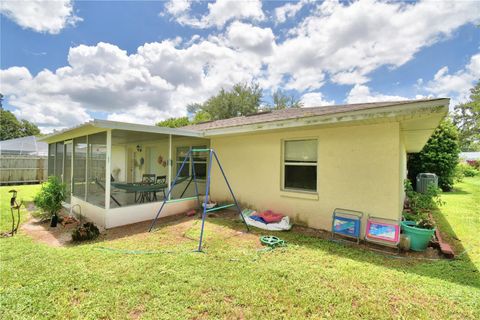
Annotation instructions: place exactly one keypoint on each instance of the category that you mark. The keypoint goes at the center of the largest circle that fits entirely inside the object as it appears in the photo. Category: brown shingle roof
(295, 113)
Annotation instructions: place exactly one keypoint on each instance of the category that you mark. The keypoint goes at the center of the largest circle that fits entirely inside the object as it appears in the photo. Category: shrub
(421, 204)
(87, 231)
(474, 163)
(466, 170)
(439, 156)
(49, 198)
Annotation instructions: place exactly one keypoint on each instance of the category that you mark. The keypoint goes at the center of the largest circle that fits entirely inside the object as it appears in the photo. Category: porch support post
(87, 158)
(170, 162)
(108, 166)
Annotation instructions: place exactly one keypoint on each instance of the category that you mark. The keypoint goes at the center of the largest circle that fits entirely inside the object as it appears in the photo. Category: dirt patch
(181, 228)
(42, 232)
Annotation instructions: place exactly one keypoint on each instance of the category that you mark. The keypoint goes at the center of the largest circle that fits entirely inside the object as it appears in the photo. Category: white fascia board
(439, 106)
(145, 128)
(106, 124)
(55, 136)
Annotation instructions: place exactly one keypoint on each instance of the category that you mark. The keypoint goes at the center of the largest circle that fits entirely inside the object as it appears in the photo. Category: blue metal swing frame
(166, 200)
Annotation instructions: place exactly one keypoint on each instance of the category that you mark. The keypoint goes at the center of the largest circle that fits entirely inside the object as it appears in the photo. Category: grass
(311, 278)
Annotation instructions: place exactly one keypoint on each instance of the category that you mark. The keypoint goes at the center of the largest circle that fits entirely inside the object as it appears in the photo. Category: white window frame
(284, 163)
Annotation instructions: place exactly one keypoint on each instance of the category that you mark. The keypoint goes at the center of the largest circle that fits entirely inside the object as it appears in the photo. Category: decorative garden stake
(14, 205)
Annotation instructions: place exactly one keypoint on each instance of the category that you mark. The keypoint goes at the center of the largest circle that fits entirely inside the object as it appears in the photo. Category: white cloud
(289, 10)
(315, 99)
(455, 85)
(347, 77)
(339, 42)
(40, 15)
(362, 94)
(177, 7)
(219, 12)
(155, 83)
(347, 41)
(251, 38)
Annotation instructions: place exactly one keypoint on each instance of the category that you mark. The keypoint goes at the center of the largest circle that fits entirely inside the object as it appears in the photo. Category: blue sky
(69, 61)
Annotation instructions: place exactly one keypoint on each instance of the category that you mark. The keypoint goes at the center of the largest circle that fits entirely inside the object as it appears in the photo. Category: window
(300, 165)
(200, 159)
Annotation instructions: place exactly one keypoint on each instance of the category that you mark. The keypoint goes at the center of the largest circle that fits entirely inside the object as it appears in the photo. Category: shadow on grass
(460, 271)
(457, 191)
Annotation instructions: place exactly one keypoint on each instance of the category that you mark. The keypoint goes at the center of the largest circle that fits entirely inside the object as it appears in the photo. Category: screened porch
(119, 167)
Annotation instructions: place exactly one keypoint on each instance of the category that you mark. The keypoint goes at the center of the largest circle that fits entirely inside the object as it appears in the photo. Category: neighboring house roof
(470, 155)
(23, 146)
(296, 113)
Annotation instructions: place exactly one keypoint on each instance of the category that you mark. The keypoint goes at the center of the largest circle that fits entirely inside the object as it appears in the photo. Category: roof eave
(98, 125)
(439, 106)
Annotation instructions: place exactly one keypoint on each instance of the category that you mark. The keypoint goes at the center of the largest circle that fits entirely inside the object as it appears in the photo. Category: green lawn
(311, 278)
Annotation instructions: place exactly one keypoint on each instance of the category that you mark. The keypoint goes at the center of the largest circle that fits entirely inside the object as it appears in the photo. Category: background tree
(439, 156)
(243, 99)
(29, 129)
(11, 127)
(466, 117)
(282, 100)
(174, 122)
(201, 116)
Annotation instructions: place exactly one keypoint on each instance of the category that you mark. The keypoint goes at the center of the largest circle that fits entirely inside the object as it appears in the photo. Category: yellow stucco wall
(358, 168)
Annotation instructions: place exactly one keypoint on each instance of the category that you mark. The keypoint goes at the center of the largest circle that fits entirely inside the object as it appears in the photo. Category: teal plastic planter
(419, 238)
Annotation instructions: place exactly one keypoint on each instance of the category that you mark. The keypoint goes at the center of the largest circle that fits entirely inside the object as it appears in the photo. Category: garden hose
(272, 241)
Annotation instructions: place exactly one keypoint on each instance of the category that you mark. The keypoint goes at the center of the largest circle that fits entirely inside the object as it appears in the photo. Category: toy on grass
(347, 223)
(206, 205)
(383, 231)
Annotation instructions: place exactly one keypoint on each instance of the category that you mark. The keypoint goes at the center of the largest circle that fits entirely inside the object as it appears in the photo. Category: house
(469, 156)
(302, 162)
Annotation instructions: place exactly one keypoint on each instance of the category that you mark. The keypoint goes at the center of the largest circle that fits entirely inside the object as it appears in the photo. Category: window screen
(79, 166)
(51, 159)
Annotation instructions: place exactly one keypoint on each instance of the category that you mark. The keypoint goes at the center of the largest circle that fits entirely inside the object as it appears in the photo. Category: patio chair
(147, 178)
(160, 180)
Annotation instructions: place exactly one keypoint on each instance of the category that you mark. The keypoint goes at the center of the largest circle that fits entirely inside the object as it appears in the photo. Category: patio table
(143, 189)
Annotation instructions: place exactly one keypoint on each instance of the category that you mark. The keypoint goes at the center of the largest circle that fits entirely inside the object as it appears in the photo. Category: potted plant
(418, 225)
(50, 198)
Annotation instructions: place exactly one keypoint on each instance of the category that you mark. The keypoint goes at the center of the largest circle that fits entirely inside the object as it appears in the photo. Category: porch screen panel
(96, 157)
(79, 166)
(51, 159)
(59, 160)
(181, 154)
(200, 159)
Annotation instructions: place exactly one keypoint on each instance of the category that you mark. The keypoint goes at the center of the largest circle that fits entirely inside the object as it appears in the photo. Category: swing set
(189, 156)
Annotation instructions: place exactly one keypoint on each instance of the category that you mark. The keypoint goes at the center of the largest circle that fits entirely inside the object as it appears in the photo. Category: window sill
(299, 195)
